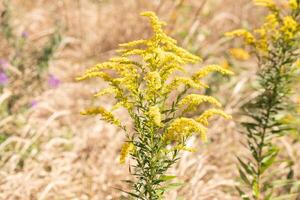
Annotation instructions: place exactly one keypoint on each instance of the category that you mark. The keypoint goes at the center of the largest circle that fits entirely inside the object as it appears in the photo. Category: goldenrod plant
(142, 81)
(275, 44)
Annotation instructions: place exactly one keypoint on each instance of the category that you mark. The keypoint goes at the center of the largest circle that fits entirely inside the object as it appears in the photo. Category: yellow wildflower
(293, 4)
(211, 68)
(225, 64)
(239, 53)
(289, 27)
(193, 100)
(248, 37)
(155, 115)
(203, 118)
(265, 3)
(271, 22)
(106, 115)
(182, 128)
(127, 148)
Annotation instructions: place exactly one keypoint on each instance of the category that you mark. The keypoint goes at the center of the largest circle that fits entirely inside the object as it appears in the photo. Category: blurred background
(49, 151)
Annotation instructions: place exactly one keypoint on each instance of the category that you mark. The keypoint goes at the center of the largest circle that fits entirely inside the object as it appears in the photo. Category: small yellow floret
(127, 147)
(239, 53)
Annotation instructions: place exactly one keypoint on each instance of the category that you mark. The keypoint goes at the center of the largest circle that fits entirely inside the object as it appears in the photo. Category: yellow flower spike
(193, 100)
(239, 53)
(127, 148)
(211, 68)
(246, 35)
(183, 81)
(103, 75)
(153, 81)
(155, 115)
(203, 118)
(168, 69)
(184, 127)
(265, 3)
(106, 115)
(133, 43)
(105, 91)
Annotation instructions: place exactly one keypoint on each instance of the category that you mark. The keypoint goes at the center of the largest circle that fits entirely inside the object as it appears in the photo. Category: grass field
(48, 151)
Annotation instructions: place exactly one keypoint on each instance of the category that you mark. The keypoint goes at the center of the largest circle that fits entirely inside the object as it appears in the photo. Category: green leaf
(246, 167)
(167, 177)
(244, 177)
(242, 194)
(268, 160)
(171, 186)
(255, 188)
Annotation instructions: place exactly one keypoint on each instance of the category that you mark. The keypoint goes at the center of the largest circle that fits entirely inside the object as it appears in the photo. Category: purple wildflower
(24, 34)
(33, 103)
(3, 78)
(53, 81)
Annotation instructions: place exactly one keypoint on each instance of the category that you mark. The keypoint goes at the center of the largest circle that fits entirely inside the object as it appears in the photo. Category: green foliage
(48, 51)
(276, 50)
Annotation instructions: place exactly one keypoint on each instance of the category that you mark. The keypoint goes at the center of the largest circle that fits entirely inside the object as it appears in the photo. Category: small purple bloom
(53, 81)
(25, 34)
(3, 64)
(33, 103)
(3, 78)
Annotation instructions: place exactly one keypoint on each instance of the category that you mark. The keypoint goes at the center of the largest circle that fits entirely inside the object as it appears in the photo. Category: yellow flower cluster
(274, 28)
(155, 115)
(141, 79)
(294, 4)
(203, 118)
(182, 128)
(106, 115)
(153, 82)
(127, 148)
(193, 100)
(289, 28)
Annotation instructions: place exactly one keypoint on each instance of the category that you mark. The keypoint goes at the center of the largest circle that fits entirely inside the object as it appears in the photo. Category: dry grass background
(68, 156)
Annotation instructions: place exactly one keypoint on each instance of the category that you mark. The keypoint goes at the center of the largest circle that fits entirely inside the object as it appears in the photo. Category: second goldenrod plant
(141, 80)
(275, 44)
